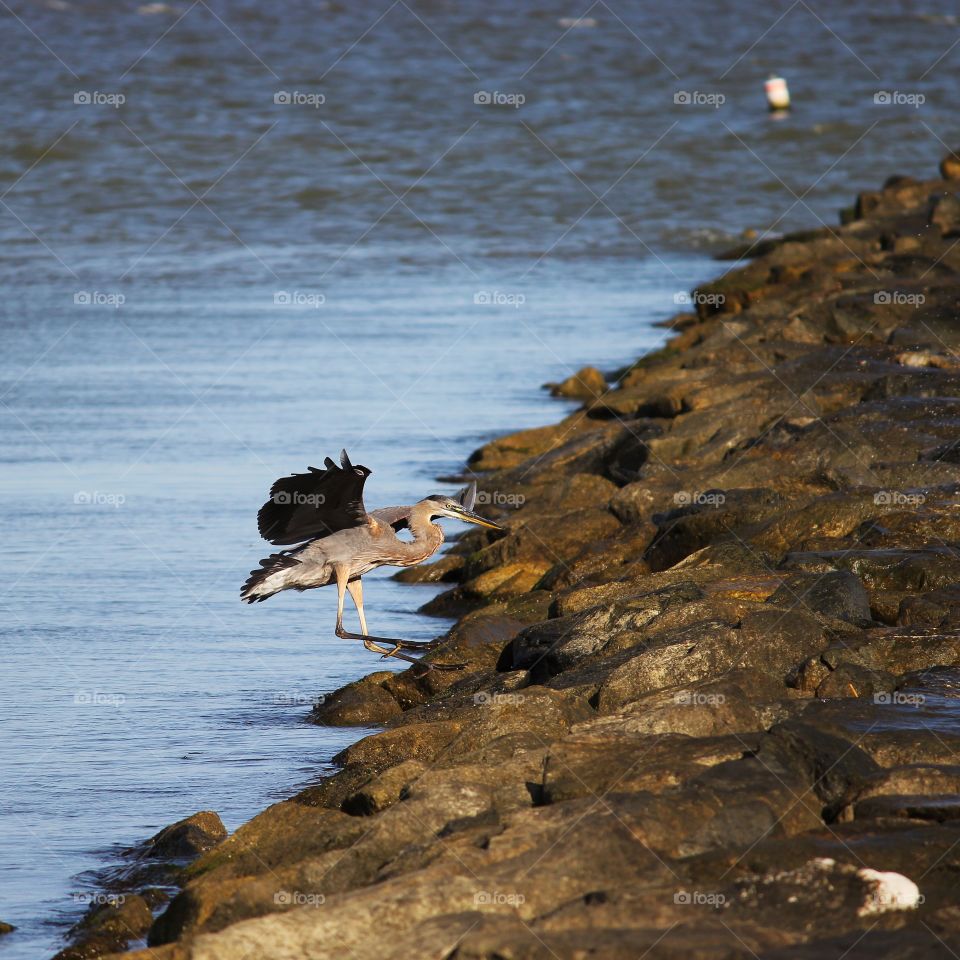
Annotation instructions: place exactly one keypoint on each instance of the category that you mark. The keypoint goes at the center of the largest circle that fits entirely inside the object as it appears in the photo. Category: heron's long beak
(472, 517)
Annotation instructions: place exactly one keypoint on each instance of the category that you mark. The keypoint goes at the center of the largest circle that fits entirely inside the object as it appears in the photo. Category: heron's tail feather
(264, 583)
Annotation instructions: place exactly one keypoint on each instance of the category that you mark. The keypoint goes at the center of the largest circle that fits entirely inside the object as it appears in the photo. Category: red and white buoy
(778, 96)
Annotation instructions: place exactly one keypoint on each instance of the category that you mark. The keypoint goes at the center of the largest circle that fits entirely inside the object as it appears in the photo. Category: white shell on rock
(891, 891)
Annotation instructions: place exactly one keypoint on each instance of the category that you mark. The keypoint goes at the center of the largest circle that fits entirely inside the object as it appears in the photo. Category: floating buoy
(778, 96)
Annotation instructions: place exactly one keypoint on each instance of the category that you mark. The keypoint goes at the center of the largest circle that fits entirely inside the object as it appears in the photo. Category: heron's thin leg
(355, 587)
(341, 586)
(356, 592)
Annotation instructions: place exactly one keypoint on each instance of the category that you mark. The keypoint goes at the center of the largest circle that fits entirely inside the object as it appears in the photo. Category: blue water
(204, 289)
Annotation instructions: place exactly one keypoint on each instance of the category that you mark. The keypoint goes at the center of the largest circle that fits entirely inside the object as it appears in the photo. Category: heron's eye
(358, 472)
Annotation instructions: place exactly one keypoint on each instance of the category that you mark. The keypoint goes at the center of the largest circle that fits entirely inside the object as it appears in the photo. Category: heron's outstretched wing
(314, 504)
(397, 517)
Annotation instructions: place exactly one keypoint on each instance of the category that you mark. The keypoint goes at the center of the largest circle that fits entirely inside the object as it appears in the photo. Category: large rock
(187, 838)
(108, 927)
(361, 703)
(839, 595)
(588, 383)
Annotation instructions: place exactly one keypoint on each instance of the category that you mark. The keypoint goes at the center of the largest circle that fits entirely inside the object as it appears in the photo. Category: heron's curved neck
(427, 535)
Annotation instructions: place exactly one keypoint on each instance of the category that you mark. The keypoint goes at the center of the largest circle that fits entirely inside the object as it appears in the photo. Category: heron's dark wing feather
(315, 504)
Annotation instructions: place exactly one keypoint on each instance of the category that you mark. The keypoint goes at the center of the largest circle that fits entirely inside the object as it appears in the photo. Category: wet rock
(637, 501)
(598, 759)
(913, 779)
(839, 595)
(834, 767)
(710, 515)
(361, 703)
(264, 845)
(706, 709)
(265, 841)
(587, 383)
(940, 808)
(553, 645)
(853, 680)
(950, 166)
(187, 838)
(478, 641)
(512, 451)
(571, 529)
(383, 790)
(896, 650)
(686, 656)
(509, 580)
(886, 569)
(936, 608)
(108, 927)
(945, 214)
(413, 741)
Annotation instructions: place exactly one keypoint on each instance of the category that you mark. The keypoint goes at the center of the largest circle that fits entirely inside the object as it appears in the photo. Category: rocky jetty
(712, 701)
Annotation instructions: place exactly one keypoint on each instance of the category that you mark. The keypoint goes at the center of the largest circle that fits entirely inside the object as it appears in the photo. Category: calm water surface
(299, 231)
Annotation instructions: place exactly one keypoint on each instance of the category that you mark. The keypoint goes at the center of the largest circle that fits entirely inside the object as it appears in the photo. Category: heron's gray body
(357, 551)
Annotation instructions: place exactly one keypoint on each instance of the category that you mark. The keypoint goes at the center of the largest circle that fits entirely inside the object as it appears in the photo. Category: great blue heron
(339, 542)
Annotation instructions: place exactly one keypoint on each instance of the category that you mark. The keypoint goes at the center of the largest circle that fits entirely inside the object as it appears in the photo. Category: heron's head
(441, 506)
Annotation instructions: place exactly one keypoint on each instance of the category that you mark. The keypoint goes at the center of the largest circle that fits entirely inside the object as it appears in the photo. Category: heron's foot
(415, 644)
(425, 665)
(395, 642)
(371, 643)
(396, 645)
